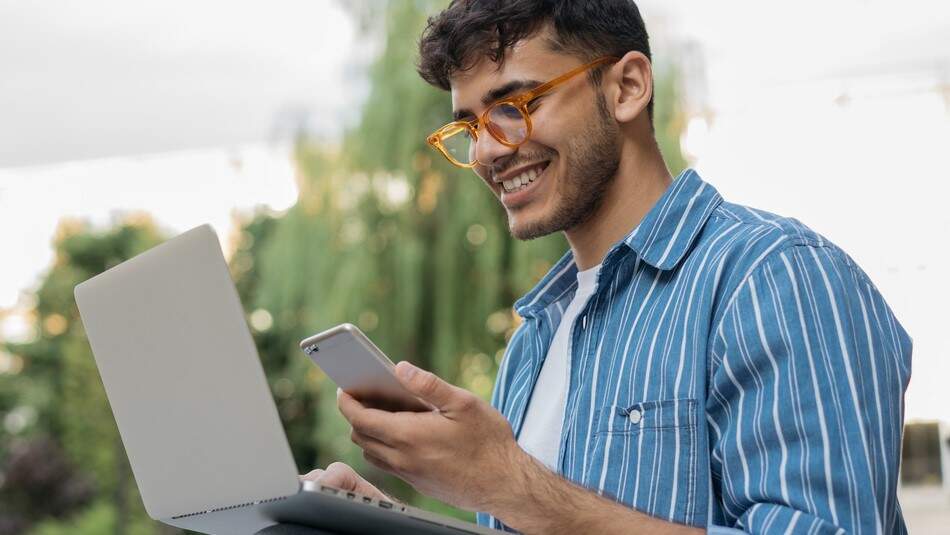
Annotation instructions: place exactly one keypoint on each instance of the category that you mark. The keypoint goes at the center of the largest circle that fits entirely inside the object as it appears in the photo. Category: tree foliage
(67, 425)
(385, 234)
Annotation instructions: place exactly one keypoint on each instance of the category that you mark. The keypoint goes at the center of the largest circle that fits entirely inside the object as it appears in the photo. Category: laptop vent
(231, 507)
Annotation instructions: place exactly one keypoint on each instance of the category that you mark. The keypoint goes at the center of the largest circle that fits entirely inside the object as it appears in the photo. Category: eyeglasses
(507, 120)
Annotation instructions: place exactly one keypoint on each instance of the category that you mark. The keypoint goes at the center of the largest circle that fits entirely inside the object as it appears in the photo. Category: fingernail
(405, 370)
(338, 392)
(311, 475)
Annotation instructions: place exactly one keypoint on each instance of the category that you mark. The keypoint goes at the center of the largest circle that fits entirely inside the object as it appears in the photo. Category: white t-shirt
(541, 432)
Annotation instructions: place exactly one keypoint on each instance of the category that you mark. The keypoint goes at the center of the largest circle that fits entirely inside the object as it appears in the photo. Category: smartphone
(357, 366)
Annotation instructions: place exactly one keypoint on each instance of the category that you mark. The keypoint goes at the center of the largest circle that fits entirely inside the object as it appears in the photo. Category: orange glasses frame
(519, 101)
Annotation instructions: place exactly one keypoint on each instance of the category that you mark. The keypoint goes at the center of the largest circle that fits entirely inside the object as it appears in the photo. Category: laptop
(194, 410)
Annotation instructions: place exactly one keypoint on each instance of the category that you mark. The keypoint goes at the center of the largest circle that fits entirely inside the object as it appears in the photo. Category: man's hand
(463, 453)
(341, 476)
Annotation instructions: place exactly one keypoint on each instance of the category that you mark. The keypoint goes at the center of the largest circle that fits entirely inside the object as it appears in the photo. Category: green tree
(389, 236)
(385, 234)
(59, 383)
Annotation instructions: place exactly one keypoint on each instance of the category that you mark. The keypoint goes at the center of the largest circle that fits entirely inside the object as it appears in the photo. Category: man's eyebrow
(513, 86)
(503, 91)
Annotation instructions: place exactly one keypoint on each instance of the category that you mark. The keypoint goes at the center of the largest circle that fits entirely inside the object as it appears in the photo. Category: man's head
(482, 50)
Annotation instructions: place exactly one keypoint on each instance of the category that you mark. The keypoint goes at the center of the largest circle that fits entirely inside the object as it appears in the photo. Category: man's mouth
(524, 178)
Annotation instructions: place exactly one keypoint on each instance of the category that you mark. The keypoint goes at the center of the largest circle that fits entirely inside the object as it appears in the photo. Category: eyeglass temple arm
(530, 95)
(547, 86)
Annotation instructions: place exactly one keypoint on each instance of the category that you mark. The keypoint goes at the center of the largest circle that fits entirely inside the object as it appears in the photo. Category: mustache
(519, 160)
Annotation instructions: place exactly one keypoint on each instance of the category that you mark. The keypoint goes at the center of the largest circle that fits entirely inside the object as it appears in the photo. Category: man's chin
(530, 229)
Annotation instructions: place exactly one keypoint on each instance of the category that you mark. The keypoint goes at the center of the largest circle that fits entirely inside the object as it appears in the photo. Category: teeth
(521, 180)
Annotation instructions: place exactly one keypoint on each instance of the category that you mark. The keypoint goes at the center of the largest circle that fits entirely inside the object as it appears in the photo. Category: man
(689, 365)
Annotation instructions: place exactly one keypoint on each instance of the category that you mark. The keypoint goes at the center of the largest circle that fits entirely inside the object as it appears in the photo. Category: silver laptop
(194, 410)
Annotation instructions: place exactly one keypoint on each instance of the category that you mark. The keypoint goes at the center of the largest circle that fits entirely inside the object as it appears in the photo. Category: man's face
(573, 152)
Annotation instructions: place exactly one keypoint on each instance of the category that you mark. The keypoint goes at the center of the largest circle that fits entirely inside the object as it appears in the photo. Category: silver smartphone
(357, 366)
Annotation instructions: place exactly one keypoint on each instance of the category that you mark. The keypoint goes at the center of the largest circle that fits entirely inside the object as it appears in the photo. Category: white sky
(830, 112)
(182, 189)
(102, 78)
(871, 175)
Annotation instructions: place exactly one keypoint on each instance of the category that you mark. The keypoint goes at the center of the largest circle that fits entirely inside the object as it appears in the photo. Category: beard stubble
(591, 169)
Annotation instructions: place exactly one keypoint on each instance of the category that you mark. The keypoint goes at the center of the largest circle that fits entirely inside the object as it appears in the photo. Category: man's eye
(510, 111)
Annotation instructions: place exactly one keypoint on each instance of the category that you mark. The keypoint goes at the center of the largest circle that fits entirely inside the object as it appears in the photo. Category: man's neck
(641, 180)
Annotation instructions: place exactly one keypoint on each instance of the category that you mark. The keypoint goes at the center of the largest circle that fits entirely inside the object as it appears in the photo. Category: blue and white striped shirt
(733, 369)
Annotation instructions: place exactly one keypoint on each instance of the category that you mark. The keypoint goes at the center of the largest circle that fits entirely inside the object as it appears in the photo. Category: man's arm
(465, 454)
(805, 403)
(544, 502)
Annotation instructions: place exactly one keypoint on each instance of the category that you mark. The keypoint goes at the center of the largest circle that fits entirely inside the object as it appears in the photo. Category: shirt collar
(662, 238)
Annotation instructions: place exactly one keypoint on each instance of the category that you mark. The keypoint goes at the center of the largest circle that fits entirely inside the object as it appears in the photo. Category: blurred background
(296, 128)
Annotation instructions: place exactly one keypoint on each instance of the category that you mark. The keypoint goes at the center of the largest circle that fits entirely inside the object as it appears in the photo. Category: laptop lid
(184, 380)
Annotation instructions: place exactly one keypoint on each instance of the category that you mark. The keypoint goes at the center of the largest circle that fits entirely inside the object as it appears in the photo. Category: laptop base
(294, 529)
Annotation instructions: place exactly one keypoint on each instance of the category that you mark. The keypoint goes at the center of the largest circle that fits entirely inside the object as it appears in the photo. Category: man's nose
(488, 149)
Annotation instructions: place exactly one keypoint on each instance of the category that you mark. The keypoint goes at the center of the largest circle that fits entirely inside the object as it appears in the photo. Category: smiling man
(690, 364)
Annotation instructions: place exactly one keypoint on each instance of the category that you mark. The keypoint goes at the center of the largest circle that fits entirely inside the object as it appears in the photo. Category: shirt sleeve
(805, 409)
(498, 396)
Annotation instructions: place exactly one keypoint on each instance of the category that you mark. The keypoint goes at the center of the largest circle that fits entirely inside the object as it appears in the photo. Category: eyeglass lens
(505, 122)
(460, 144)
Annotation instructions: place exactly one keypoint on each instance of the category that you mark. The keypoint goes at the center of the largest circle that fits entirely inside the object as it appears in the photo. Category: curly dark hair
(467, 30)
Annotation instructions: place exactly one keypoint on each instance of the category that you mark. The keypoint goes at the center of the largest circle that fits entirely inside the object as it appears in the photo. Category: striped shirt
(733, 370)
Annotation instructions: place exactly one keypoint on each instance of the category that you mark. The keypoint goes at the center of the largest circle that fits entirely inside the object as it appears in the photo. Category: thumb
(426, 385)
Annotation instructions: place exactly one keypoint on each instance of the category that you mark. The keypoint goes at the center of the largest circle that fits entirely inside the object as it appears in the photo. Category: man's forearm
(541, 502)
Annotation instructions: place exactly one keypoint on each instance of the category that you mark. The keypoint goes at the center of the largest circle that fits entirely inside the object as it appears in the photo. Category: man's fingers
(428, 385)
(312, 475)
(374, 447)
(371, 422)
(379, 463)
(379, 454)
(341, 476)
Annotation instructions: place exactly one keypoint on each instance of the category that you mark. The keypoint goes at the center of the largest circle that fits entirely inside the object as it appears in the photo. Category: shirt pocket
(644, 455)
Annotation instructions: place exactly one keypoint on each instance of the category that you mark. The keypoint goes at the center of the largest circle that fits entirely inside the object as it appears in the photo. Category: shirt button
(635, 416)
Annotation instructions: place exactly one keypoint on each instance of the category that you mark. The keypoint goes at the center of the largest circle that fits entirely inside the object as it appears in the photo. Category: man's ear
(630, 85)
